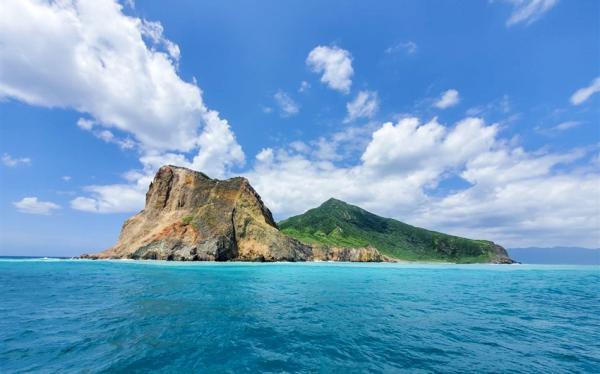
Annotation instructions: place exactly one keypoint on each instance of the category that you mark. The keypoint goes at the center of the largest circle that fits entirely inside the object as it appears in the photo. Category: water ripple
(127, 317)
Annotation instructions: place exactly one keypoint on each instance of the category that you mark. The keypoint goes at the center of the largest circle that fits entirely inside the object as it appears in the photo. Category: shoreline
(402, 264)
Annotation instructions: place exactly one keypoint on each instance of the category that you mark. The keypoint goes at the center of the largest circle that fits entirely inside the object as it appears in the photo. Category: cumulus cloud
(154, 31)
(404, 157)
(510, 195)
(528, 11)
(335, 65)
(521, 199)
(265, 155)
(31, 205)
(88, 56)
(582, 94)
(122, 72)
(12, 162)
(448, 99)
(287, 106)
(410, 146)
(116, 198)
(364, 105)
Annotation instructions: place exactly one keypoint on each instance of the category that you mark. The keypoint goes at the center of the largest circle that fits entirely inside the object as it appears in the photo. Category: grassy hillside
(336, 223)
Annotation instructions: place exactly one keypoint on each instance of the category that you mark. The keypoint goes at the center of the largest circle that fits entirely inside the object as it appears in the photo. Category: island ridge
(191, 217)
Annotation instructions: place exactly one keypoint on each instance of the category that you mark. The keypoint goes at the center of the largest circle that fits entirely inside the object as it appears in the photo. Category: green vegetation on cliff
(336, 223)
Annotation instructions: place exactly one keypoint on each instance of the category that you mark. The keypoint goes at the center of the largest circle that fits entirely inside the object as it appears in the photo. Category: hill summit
(336, 223)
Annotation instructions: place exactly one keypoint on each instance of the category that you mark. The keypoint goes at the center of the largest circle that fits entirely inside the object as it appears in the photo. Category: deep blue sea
(132, 316)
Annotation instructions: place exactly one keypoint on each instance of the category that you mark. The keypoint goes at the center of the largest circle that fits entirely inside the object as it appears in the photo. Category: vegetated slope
(336, 223)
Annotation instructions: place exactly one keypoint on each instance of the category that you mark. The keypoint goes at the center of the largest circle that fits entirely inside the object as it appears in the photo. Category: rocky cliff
(191, 217)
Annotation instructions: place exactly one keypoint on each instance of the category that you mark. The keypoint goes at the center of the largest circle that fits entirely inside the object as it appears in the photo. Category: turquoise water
(121, 316)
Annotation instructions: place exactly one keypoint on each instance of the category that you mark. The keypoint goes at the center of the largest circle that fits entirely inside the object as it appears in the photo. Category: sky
(478, 119)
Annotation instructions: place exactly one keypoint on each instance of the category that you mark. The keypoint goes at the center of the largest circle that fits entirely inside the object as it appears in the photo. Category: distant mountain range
(338, 224)
(556, 255)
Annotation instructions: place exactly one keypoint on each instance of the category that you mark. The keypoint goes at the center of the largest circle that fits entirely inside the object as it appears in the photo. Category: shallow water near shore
(135, 316)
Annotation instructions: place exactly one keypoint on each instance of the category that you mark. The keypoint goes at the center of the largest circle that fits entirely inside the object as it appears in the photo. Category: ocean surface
(135, 316)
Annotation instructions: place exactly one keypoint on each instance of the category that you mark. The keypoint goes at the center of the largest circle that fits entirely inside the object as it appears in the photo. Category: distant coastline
(524, 256)
(384, 263)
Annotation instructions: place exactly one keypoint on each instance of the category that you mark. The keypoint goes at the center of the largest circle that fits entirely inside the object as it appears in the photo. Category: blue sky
(474, 118)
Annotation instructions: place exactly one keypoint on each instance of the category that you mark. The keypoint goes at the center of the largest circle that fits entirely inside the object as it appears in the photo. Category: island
(189, 216)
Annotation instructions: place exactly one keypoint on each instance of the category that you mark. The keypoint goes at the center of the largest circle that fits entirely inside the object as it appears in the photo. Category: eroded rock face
(363, 254)
(191, 217)
(500, 255)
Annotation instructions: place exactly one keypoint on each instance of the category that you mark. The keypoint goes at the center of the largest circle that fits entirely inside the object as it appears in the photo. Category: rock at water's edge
(191, 217)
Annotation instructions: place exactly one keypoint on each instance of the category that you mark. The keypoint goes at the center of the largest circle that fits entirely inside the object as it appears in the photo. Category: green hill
(338, 224)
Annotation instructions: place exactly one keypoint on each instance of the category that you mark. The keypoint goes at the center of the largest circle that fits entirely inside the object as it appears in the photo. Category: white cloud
(448, 99)
(304, 86)
(582, 94)
(122, 72)
(265, 155)
(12, 162)
(88, 56)
(85, 124)
(410, 48)
(403, 158)
(410, 146)
(120, 197)
(325, 150)
(31, 205)
(342, 145)
(510, 195)
(529, 11)
(364, 105)
(66, 178)
(154, 31)
(218, 149)
(299, 146)
(287, 105)
(543, 210)
(108, 137)
(563, 126)
(116, 198)
(335, 64)
(105, 135)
